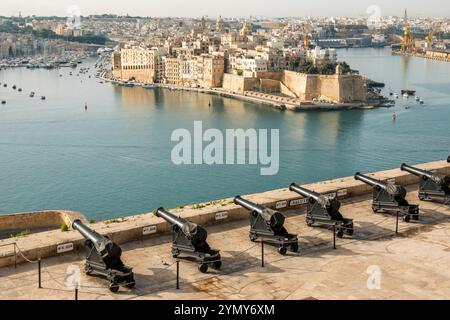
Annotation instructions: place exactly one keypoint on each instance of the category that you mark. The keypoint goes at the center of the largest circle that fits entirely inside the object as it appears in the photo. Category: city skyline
(232, 8)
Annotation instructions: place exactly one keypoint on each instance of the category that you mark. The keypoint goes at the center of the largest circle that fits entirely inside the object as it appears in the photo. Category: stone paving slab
(413, 264)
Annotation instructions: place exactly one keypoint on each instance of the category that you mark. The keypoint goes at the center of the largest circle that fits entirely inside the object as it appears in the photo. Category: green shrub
(21, 234)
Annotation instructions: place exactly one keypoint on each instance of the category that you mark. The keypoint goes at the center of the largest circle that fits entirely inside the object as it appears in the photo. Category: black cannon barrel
(191, 230)
(249, 205)
(417, 171)
(273, 218)
(304, 192)
(170, 217)
(87, 232)
(370, 181)
(438, 179)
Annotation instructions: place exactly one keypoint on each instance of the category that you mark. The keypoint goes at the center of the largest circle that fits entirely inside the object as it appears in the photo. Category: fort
(337, 88)
(413, 262)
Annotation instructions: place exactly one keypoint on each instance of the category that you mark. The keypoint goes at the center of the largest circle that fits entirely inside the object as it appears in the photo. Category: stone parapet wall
(143, 226)
(35, 220)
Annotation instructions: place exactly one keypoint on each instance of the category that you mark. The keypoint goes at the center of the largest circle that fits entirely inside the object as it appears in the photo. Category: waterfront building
(172, 71)
(210, 70)
(141, 64)
(253, 65)
(321, 57)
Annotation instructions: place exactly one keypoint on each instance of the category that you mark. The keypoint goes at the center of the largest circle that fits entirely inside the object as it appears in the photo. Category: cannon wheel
(294, 247)
(88, 269)
(282, 250)
(203, 268)
(340, 233)
(113, 287)
(131, 283)
(217, 265)
(407, 218)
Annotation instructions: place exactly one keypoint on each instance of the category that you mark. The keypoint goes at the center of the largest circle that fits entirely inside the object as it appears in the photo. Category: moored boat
(408, 92)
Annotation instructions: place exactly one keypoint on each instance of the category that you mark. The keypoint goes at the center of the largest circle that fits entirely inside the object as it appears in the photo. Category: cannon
(267, 225)
(448, 159)
(103, 258)
(390, 198)
(189, 241)
(433, 186)
(324, 211)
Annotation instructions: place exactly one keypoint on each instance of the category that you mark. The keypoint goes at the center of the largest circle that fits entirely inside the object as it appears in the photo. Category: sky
(228, 8)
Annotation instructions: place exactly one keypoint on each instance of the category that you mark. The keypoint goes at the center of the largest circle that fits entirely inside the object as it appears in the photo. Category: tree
(345, 67)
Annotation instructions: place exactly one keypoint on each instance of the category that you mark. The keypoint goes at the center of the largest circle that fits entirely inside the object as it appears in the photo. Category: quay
(444, 57)
(412, 264)
(277, 102)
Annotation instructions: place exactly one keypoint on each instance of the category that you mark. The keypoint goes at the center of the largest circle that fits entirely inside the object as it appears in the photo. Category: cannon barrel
(107, 249)
(273, 218)
(417, 171)
(436, 178)
(395, 190)
(249, 205)
(192, 231)
(87, 232)
(304, 192)
(370, 181)
(329, 203)
(170, 217)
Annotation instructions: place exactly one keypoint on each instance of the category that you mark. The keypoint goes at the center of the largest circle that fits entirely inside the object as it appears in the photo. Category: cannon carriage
(189, 241)
(267, 225)
(433, 186)
(103, 258)
(324, 211)
(390, 198)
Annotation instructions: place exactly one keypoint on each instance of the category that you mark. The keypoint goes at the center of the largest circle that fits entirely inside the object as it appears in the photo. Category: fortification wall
(339, 88)
(145, 76)
(238, 84)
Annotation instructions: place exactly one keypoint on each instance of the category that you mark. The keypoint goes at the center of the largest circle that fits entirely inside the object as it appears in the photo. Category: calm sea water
(114, 160)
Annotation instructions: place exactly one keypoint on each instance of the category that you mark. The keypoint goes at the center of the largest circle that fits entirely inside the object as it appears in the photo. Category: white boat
(149, 86)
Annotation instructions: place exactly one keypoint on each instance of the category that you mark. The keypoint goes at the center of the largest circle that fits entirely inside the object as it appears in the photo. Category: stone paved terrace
(414, 264)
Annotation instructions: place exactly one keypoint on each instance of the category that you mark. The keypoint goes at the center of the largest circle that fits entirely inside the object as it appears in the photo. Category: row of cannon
(189, 241)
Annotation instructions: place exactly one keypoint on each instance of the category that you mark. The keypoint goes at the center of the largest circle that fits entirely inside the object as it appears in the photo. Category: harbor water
(114, 159)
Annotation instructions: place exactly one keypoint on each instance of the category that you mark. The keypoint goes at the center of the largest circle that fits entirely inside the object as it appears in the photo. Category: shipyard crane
(429, 39)
(408, 42)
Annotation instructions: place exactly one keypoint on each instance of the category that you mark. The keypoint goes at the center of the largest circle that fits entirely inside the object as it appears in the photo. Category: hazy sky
(227, 8)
